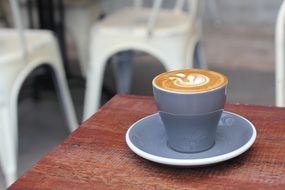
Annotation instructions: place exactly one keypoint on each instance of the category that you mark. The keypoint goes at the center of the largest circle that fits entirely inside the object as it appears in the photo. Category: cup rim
(175, 92)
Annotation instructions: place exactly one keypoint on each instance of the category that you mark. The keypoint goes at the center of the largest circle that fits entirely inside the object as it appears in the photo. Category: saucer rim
(192, 162)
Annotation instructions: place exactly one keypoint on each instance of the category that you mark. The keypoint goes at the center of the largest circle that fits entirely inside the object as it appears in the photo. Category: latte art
(190, 80)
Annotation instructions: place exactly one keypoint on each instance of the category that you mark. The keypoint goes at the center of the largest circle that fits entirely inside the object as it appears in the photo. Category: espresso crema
(190, 80)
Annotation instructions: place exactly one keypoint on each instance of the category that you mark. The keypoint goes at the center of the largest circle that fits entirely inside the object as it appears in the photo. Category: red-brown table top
(96, 156)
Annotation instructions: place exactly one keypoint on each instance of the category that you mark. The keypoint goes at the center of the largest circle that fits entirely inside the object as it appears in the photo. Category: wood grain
(96, 156)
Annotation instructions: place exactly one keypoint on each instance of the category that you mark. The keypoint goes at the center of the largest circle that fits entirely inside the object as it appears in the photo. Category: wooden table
(96, 155)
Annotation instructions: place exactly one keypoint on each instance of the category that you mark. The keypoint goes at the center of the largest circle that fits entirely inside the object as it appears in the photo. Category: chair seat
(134, 22)
(10, 46)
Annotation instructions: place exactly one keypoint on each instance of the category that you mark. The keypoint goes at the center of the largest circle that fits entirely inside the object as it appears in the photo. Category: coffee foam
(190, 80)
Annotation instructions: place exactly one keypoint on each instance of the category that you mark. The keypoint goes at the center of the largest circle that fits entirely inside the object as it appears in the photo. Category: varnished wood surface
(96, 155)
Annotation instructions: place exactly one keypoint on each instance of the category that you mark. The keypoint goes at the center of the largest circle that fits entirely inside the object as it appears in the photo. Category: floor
(246, 56)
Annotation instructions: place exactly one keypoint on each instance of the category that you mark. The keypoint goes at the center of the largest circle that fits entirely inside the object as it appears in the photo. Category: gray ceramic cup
(191, 133)
(190, 119)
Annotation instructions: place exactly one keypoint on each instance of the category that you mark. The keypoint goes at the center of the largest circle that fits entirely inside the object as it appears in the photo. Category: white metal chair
(21, 51)
(169, 35)
(279, 57)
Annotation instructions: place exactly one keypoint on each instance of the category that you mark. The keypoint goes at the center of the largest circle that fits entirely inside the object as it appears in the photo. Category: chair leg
(199, 59)
(280, 57)
(94, 81)
(8, 142)
(123, 71)
(65, 97)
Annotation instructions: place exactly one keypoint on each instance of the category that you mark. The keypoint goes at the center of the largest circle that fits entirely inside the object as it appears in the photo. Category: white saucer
(147, 138)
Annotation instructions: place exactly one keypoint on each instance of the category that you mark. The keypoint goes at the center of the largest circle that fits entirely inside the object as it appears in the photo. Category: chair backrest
(280, 56)
(194, 10)
(19, 25)
(193, 6)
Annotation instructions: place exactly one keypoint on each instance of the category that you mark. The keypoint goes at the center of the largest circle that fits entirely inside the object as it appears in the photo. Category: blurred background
(237, 40)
